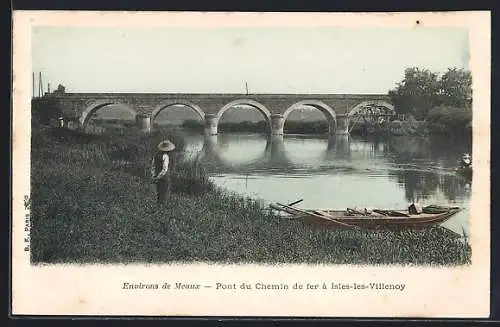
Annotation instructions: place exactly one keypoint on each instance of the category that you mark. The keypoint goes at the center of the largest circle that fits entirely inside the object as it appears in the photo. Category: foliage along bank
(443, 102)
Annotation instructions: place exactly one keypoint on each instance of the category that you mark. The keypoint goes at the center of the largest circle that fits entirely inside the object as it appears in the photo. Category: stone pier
(211, 122)
(143, 122)
(210, 143)
(277, 124)
(342, 125)
(342, 145)
(275, 146)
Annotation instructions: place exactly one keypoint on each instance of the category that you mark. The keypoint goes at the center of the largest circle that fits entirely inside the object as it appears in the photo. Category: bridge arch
(330, 114)
(257, 105)
(92, 108)
(371, 103)
(169, 103)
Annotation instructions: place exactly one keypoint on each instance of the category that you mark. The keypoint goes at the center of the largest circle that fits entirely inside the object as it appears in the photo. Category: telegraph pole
(246, 86)
(40, 85)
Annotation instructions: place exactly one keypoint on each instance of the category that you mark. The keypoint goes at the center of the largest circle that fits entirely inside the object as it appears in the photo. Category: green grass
(93, 202)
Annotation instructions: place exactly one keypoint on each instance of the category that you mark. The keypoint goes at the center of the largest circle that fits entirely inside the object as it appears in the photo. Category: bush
(45, 111)
(306, 127)
(195, 125)
(244, 126)
(190, 178)
(293, 127)
(411, 126)
(448, 120)
(421, 128)
(397, 127)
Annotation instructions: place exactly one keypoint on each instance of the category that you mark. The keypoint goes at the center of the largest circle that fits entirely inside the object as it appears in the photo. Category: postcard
(251, 164)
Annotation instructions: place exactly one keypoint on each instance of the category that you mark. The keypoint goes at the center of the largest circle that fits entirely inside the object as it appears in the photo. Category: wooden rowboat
(377, 219)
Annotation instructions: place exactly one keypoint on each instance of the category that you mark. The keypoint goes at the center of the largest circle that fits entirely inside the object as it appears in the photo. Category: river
(340, 171)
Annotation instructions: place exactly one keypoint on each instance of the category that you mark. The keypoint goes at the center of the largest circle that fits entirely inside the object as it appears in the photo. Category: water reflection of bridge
(274, 155)
(335, 154)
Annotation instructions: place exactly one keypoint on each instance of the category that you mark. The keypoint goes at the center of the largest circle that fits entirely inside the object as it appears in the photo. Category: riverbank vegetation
(92, 201)
(232, 127)
(291, 127)
(442, 102)
(395, 127)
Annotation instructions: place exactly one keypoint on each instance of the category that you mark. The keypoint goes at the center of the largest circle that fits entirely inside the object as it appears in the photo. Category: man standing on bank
(160, 173)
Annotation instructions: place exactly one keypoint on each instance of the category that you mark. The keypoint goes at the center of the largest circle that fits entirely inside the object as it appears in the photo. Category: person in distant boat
(466, 161)
(160, 172)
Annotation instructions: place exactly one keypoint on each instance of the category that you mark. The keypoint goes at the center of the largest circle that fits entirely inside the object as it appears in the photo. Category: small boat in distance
(369, 219)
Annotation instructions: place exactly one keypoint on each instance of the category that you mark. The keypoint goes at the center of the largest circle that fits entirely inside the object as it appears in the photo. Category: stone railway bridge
(275, 108)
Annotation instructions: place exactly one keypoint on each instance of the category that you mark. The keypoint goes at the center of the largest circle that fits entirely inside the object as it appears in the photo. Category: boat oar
(289, 211)
(294, 203)
(275, 207)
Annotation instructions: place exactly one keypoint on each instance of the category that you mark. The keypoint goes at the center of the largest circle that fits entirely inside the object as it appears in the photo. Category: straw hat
(166, 146)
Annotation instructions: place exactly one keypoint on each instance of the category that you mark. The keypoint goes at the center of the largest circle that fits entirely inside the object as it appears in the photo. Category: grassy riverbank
(93, 202)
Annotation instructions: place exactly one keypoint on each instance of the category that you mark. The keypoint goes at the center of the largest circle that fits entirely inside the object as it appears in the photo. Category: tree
(60, 89)
(45, 110)
(448, 119)
(417, 93)
(421, 91)
(455, 88)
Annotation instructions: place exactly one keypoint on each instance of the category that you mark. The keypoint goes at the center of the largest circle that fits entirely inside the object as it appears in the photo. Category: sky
(220, 60)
